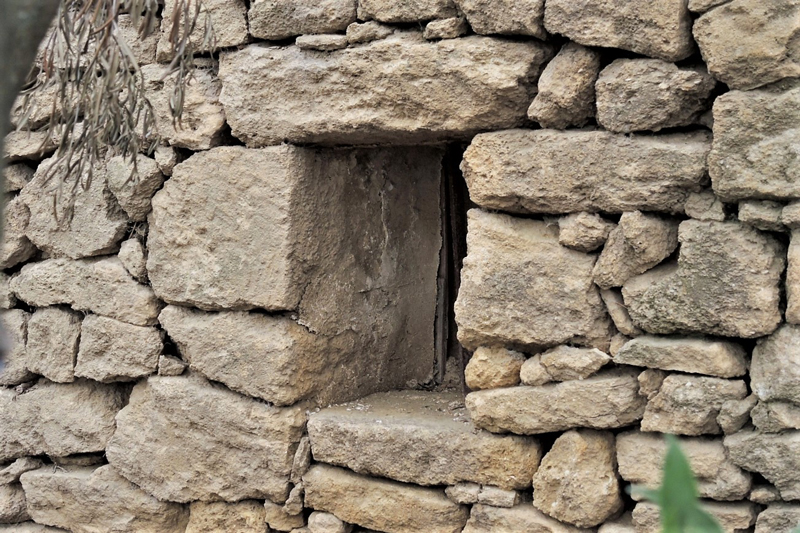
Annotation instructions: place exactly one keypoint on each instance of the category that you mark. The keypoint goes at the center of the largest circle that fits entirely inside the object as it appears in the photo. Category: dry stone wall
(243, 338)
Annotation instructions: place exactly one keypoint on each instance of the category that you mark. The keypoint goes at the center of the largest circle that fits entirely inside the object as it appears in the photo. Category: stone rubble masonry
(533, 372)
(491, 368)
(278, 19)
(204, 442)
(776, 456)
(764, 494)
(228, 19)
(364, 32)
(619, 313)
(11, 473)
(13, 506)
(52, 344)
(498, 497)
(16, 246)
(323, 43)
(30, 527)
(549, 171)
(380, 504)
(774, 417)
(17, 176)
(505, 17)
(775, 368)
(171, 366)
(705, 205)
(734, 414)
(89, 500)
(414, 437)
(451, 28)
(247, 516)
(778, 518)
(522, 517)
(584, 232)
(685, 354)
(134, 194)
(405, 10)
(326, 523)
(565, 363)
(27, 145)
(371, 93)
(521, 288)
(133, 257)
(733, 517)
(15, 326)
(278, 519)
(762, 214)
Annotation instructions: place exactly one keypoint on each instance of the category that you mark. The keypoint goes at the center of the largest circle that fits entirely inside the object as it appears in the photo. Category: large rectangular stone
(405, 10)
(399, 90)
(281, 19)
(550, 171)
(522, 517)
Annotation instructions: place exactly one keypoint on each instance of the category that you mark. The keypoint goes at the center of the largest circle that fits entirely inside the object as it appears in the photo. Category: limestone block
(294, 503)
(726, 282)
(278, 519)
(398, 90)
(450, 28)
(734, 414)
(774, 370)
(650, 94)
(405, 10)
(101, 286)
(623, 524)
(379, 504)
(16, 247)
(301, 461)
(566, 363)
(11, 473)
(132, 256)
(733, 517)
(281, 19)
(523, 517)
(778, 518)
(607, 400)
(750, 43)
(764, 494)
(491, 368)
(27, 145)
(641, 461)
(88, 500)
(705, 206)
(755, 136)
(533, 372)
(323, 43)
(585, 232)
(688, 405)
(365, 32)
(762, 214)
(464, 492)
(521, 288)
(111, 350)
(228, 20)
(134, 192)
(505, 17)
(619, 313)
(577, 482)
(774, 417)
(793, 279)
(693, 355)
(416, 438)
(16, 176)
(166, 158)
(170, 366)
(52, 344)
(790, 215)
(776, 456)
(204, 442)
(701, 6)
(144, 49)
(87, 222)
(15, 326)
(661, 29)
(326, 523)
(498, 497)
(639, 243)
(12, 504)
(210, 517)
(548, 171)
(58, 419)
(30, 527)
(650, 382)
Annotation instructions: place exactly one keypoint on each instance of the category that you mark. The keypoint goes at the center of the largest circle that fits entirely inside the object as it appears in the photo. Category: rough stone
(505, 17)
(450, 28)
(301, 461)
(764, 494)
(547, 171)
(326, 523)
(204, 442)
(371, 94)
(705, 206)
(170, 366)
(281, 19)
(733, 517)
(27, 145)
(726, 282)
(10, 474)
(790, 216)
(380, 504)
(755, 136)
(134, 192)
(14, 370)
(30, 527)
(566, 363)
(294, 503)
(12, 504)
(415, 437)
(650, 382)
(623, 524)
(520, 288)
(278, 519)
(7, 298)
(639, 243)
(16, 176)
(577, 481)
(776, 456)
(101, 286)
(405, 10)
(247, 516)
(533, 372)
(762, 214)
(523, 517)
(650, 94)
(52, 343)
(365, 32)
(688, 405)
(641, 460)
(793, 279)
(88, 500)
(693, 355)
(498, 497)
(166, 158)
(57, 419)
(111, 350)
(774, 417)
(701, 6)
(585, 232)
(749, 43)
(619, 313)
(734, 414)
(775, 368)
(228, 19)
(464, 492)
(778, 518)
(16, 247)
(322, 43)
(132, 256)
(491, 368)
(143, 48)
(661, 29)
(607, 400)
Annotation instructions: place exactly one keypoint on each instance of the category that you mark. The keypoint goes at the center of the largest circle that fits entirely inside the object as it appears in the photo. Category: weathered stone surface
(519, 287)
(449, 28)
(533, 372)
(639, 243)
(132, 256)
(688, 405)
(88, 500)
(57, 419)
(732, 517)
(650, 94)
(31, 145)
(166, 158)
(278, 519)
(464, 492)
(371, 94)
(12, 504)
(326, 523)
(790, 215)
(793, 279)
(30, 527)
(764, 494)
(762, 214)
(323, 43)
(775, 368)
(725, 283)
(523, 517)
(294, 503)
(383, 505)
(415, 437)
(204, 442)
(623, 524)
(585, 232)
(111, 350)
(210, 517)
(705, 206)
(701, 6)
(505, 17)
(16, 247)
(566, 363)
(567, 88)
(170, 366)
(734, 414)
(619, 313)
(301, 461)
(755, 136)
(641, 461)
(694, 355)
(52, 343)
(134, 192)
(364, 32)
(101, 286)
(16, 176)
(405, 10)
(7, 298)
(281, 19)
(661, 29)
(15, 326)
(577, 481)
(547, 171)
(143, 48)
(776, 456)
(750, 43)
(778, 518)
(498, 497)
(10, 474)
(650, 382)
(491, 368)
(228, 19)
(607, 400)
(774, 417)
